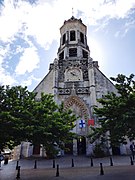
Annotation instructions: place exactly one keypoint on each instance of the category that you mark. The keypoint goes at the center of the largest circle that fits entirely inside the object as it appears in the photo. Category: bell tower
(73, 85)
(73, 39)
(73, 52)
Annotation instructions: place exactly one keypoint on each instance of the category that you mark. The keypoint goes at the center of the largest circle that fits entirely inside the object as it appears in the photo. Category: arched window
(72, 36)
(85, 54)
(61, 55)
(82, 37)
(64, 39)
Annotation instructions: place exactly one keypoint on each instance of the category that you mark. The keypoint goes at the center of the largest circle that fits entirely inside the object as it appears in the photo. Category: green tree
(24, 118)
(117, 115)
(51, 125)
(15, 107)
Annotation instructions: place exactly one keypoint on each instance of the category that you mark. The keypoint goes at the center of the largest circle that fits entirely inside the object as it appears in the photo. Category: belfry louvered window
(73, 52)
(82, 37)
(61, 55)
(85, 54)
(72, 36)
(64, 39)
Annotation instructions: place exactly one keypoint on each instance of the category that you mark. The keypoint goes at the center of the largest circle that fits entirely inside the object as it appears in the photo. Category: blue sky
(29, 36)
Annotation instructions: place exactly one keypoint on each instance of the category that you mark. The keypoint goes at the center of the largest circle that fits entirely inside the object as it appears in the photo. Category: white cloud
(42, 21)
(29, 80)
(10, 21)
(28, 61)
(19, 49)
(5, 77)
(3, 53)
(125, 28)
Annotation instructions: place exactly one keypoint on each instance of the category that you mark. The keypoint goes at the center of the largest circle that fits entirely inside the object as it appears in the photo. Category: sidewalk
(82, 170)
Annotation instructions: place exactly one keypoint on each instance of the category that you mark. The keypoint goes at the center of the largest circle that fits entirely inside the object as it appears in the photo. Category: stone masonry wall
(103, 84)
(46, 85)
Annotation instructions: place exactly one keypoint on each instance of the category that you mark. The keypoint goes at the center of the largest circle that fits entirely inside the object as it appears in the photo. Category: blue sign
(82, 123)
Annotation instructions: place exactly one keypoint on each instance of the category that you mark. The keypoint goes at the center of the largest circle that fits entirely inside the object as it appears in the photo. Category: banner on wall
(81, 123)
(91, 122)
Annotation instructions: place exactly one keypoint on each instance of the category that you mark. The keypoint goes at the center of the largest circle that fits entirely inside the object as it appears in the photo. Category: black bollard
(132, 163)
(57, 171)
(18, 173)
(53, 163)
(17, 165)
(72, 162)
(35, 165)
(91, 162)
(101, 169)
(111, 162)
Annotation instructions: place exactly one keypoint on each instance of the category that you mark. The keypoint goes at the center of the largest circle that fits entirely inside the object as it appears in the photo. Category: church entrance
(81, 145)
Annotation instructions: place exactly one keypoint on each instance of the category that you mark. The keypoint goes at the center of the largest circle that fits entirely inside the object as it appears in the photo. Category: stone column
(55, 79)
(92, 85)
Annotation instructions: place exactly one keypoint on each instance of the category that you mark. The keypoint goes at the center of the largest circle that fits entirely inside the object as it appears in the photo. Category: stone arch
(70, 101)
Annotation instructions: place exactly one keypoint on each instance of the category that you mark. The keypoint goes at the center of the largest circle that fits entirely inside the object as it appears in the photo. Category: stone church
(75, 79)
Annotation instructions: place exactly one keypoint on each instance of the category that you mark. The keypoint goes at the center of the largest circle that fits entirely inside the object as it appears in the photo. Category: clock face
(73, 74)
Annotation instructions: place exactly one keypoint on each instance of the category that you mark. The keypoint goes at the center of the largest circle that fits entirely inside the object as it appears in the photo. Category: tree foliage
(51, 124)
(15, 107)
(117, 115)
(23, 118)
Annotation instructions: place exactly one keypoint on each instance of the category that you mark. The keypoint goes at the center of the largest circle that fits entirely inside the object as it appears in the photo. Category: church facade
(75, 79)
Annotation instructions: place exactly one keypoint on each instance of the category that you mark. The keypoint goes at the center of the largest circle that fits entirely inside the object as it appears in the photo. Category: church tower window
(82, 37)
(61, 55)
(64, 39)
(72, 36)
(85, 54)
(73, 52)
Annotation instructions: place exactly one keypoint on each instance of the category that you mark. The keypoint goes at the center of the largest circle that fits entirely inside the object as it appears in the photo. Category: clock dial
(73, 74)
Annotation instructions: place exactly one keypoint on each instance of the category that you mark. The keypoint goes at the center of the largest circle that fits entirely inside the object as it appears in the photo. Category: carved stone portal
(77, 105)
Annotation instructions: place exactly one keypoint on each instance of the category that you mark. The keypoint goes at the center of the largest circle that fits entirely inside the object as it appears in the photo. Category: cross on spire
(72, 11)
